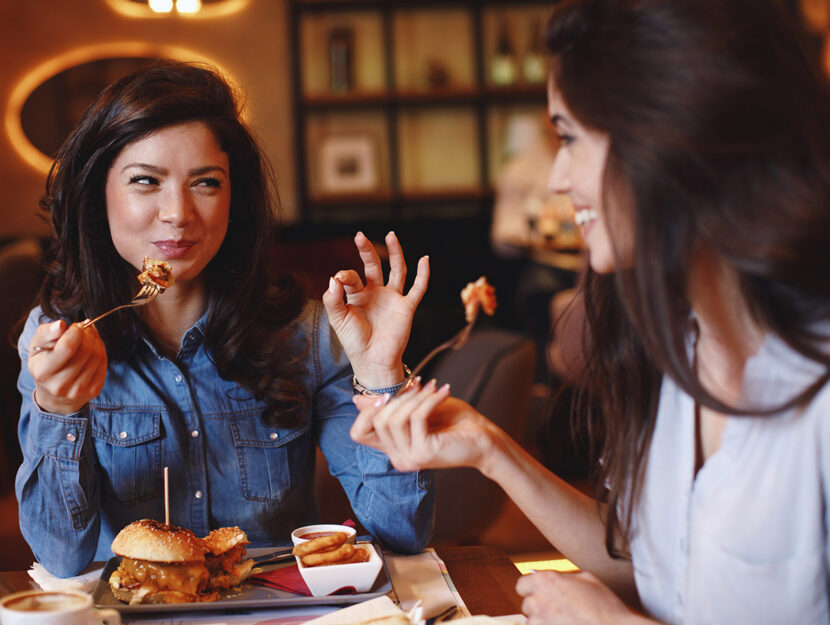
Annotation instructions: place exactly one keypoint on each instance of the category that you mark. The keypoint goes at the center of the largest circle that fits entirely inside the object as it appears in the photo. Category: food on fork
(224, 559)
(478, 293)
(157, 272)
(328, 550)
(160, 564)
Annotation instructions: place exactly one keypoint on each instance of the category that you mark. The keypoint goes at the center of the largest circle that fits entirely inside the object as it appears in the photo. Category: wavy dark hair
(249, 319)
(717, 113)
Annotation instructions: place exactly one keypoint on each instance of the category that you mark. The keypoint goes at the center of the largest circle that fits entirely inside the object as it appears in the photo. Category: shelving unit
(422, 118)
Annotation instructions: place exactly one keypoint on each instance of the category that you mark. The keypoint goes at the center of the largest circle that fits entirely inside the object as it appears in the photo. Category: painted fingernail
(332, 286)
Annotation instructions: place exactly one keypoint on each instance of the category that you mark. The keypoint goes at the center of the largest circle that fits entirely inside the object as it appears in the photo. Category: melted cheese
(187, 577)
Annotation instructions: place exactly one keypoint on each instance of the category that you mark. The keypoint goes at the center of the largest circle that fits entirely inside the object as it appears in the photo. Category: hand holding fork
(148, 292)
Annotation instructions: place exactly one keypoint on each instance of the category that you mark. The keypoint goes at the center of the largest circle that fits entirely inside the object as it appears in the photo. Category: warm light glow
(188, 6)
(209, 10)
(161, 6)
(40, 74)
(559, 564)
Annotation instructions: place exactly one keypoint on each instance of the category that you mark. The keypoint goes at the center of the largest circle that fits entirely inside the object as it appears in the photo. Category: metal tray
(251, 596)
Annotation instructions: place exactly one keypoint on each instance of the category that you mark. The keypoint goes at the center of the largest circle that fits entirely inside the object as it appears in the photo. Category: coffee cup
(54, 607)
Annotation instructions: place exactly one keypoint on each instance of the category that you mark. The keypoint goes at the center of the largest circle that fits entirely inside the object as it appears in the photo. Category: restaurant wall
(251, 45)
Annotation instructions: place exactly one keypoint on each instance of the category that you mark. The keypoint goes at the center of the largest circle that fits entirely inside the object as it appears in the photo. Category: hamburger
(224, 558)
(160, 564)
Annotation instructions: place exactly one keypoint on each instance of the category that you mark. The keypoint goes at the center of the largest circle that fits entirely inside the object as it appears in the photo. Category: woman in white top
(696, 150)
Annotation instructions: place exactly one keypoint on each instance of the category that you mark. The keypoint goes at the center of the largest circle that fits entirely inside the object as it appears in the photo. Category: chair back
(494, 373)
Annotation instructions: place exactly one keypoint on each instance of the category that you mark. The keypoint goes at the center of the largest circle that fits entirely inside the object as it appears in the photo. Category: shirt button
(122, 435)
(274, 436)
(194, 434)
(179, 379)
(198, 494)
(71, 437)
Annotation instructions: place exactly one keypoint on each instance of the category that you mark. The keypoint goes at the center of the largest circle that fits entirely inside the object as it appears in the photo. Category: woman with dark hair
(227, 378)
(696, 150)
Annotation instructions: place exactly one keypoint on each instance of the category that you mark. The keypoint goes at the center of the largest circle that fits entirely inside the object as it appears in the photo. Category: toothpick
(166, 496)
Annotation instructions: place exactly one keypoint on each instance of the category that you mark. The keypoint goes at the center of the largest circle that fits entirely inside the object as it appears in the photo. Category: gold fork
(456, 342)
(148, 292)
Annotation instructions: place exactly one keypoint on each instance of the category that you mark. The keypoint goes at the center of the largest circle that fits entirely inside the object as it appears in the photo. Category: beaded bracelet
(378, 392)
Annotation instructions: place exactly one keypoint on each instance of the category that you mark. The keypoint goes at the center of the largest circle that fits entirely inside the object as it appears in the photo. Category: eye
(142, 179)
(209, 182)
(565, 139)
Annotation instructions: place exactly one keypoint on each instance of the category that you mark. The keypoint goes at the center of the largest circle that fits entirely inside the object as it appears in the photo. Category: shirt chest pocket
(266, 458)
(128, 446)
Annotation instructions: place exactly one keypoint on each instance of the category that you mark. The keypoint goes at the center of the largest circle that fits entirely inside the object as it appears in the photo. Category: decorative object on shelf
(503, 70)
(341, 46)
(348, 164)
(534, 68)
(438, 76)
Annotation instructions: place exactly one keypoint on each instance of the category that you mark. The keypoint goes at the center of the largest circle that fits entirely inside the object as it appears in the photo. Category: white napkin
(85, 581)
(419, 578)
(359, 612)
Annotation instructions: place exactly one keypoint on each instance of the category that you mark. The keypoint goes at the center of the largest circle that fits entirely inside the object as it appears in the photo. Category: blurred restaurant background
(423, 117)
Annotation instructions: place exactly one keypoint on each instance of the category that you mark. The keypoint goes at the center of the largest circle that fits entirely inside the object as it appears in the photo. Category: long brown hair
(248, 328)
(717, 113)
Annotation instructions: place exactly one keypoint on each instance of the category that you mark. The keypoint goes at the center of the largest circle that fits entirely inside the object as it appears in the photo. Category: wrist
(373, 380)
(56, 407)
(495, 451)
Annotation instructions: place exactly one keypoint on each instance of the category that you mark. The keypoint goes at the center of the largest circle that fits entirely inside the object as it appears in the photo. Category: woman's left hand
(552, 598)
(374, 321)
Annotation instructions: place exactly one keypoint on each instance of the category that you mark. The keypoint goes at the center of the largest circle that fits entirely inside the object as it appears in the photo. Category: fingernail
(390, 233)
(332, 286)
(446, 387)
(55, 327)
(383, 399)
(432, 383)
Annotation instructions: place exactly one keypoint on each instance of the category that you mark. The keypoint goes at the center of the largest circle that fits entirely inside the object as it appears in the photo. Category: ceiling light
(188, 6)
(161, 6)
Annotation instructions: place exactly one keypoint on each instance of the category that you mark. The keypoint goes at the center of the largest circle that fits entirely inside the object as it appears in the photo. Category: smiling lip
(174, 249)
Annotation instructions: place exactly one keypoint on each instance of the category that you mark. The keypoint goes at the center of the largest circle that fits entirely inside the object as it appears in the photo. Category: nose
(176, 207)
(559, 180)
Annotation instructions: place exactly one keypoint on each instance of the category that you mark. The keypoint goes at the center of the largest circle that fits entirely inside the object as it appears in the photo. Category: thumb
(334, 304)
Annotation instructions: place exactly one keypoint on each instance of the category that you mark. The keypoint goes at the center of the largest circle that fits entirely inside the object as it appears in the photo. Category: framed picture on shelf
(348, 164)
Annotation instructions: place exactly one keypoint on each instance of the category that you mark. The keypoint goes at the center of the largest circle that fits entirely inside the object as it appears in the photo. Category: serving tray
(250, 596)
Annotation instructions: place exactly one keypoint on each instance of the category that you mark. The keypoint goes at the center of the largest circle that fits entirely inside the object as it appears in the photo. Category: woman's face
(168, 197)
(578, 171)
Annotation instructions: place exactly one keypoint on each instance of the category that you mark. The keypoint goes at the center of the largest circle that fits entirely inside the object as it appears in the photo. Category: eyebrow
(557, 119)
(198, 171)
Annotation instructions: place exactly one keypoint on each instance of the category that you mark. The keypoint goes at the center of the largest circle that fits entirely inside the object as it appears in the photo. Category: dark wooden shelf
(394, 104)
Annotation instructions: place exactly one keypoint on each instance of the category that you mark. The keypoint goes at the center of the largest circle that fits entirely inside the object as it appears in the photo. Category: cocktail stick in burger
(224, 559)
(160, 564)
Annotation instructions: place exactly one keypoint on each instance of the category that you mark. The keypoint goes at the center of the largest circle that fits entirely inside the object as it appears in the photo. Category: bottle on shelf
(341, 41)
(503, 69)
(534, 68)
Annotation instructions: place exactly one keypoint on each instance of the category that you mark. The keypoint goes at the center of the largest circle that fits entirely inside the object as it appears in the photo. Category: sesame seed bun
(224, 539)
(156, 542)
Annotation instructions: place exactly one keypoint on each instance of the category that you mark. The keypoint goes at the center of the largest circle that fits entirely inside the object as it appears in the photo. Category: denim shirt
(86, 475)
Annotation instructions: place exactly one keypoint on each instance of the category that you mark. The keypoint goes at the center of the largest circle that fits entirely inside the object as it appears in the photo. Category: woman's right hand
(73, 372)
(425, 429)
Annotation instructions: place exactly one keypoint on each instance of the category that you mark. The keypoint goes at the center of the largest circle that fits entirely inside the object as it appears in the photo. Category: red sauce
(316, 535)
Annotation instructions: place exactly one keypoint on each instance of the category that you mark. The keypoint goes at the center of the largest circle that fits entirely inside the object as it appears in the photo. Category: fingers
(419, 286)
(73, 372)
(397, 264)
(372, 268)
(334, 304)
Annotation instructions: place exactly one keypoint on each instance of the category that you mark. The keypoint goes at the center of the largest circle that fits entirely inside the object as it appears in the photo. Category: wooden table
(484, 577)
